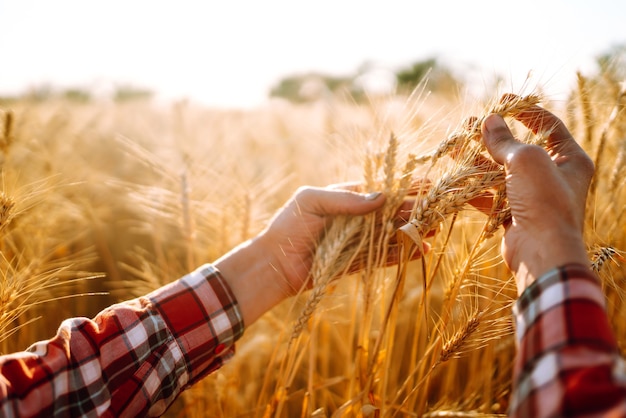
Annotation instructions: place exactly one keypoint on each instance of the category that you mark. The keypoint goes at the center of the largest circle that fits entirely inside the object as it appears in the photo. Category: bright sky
(230, 53)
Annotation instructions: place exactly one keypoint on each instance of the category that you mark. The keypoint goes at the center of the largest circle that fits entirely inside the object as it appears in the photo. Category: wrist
(549, 253)
(251, 277)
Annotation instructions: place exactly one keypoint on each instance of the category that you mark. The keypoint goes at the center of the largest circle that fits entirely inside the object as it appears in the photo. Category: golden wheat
(151, 200)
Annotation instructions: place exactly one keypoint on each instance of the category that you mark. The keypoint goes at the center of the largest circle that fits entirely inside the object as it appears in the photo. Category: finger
(353, 186)
(542, 121)
(478, 160)
(562, 147)
(331, 202)
(498, 138)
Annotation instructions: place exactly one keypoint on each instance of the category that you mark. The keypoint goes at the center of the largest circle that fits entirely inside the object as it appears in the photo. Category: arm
(275, 265)
(568, 360)
(134, 358)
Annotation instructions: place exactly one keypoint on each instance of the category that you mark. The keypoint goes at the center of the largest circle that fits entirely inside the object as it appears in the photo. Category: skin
(547, 191)
(275, 265)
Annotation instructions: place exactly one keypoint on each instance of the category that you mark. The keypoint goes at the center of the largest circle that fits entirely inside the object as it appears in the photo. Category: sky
(230, 53)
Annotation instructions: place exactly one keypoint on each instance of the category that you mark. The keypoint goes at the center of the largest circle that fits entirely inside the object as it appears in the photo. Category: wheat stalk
(7, 204)
(330, 262)
(585, 104)
(604, 254)
(466, 179)
(7, 131)
(454, 344)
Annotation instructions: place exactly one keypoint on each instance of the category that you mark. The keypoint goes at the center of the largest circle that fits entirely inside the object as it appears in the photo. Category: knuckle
(302, 195)
(586, 164)
(527, 155)
(303, 192)
(502, 136)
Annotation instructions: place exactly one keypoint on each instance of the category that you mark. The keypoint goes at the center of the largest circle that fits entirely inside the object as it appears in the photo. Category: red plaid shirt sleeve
(132, 359)
(568, 362)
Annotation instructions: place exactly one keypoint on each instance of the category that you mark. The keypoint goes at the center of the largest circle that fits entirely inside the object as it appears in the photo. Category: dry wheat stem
(500, 212)
(509, 106)
(453, 345)
(464, 180)
(460, 414)
(585, 104)
(449, 196)
(7, 132)
(332, 260)
(390, 313)
(619, 167)
(444, 320)
(603, 140)
(7, 204)
(619, 126)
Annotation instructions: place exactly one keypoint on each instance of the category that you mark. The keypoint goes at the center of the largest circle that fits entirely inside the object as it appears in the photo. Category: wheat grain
(500, 212)
(604, 254)
(331, 261)
(7, 132)
(453, 345)
(390, 165)
(6, 210)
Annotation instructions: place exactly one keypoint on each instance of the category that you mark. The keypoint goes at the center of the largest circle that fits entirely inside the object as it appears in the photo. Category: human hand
(276, 264)
(547, 192)
(299, 226)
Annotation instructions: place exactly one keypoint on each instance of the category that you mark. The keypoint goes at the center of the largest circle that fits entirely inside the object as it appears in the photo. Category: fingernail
(494, 122)
(372, 196)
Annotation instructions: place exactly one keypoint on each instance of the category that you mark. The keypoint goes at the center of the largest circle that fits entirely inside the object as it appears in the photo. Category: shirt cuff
(569, 294)
(204, 317)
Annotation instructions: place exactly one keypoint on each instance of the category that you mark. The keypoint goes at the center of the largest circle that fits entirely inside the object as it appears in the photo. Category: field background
(114, 199)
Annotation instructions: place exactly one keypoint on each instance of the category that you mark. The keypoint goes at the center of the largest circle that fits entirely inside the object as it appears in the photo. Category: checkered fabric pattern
(568, 363)
(132, 359)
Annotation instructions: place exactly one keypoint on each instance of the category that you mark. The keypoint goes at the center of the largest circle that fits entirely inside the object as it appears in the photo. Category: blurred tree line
(439, 78)
(366, 82)
(613, 62)
(44, 92)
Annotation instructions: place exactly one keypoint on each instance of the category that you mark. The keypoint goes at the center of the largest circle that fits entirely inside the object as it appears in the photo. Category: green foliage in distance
(613, 62)
(314, 86)
(310, 87)
(438, 77)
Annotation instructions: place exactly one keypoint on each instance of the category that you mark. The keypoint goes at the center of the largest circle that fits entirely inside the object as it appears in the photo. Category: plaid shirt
(568, 362)
(135, 358)
(132, 359)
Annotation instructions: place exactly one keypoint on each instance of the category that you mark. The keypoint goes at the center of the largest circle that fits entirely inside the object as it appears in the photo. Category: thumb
(498, 138)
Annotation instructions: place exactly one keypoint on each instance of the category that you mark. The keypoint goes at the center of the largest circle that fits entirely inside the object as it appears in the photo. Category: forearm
(253, 278)
(568, 360)
(133, 358)
(550, 248)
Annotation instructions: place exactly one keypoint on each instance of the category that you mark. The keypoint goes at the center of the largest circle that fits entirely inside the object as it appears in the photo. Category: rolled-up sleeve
(568, 362)
(133, 359)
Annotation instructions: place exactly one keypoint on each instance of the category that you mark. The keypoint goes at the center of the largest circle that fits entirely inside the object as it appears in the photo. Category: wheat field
(104, 202)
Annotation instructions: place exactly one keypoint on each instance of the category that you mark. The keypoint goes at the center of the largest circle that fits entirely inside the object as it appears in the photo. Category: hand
(296, 229)
(275, 265)
(547, 192)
